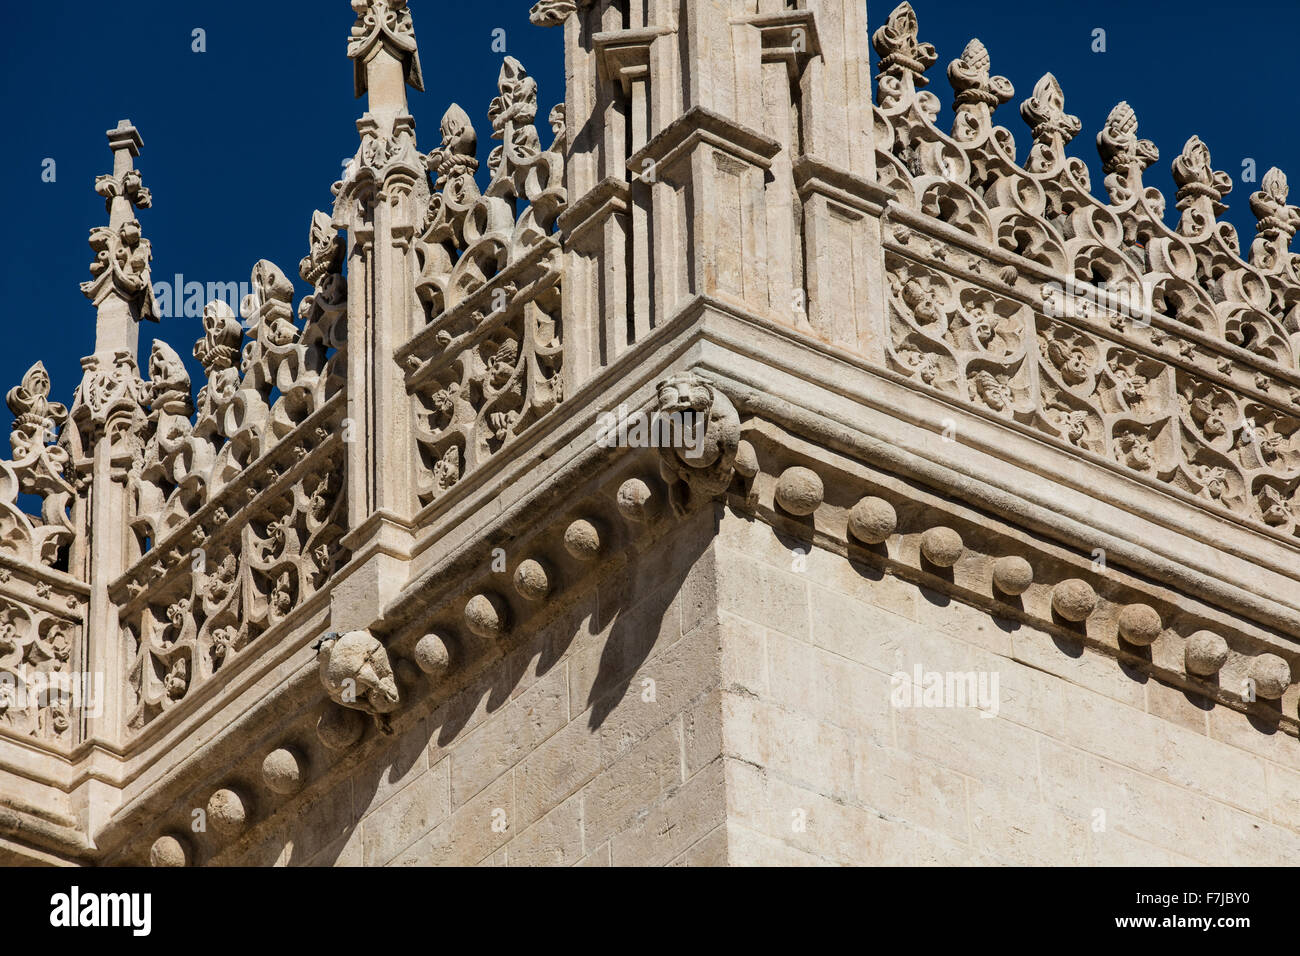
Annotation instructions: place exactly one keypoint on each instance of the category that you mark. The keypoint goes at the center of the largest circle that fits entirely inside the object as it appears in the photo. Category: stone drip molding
(459, 621)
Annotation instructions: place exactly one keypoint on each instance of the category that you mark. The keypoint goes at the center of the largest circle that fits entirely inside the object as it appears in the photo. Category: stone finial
(456, 157)
(124, 182)
(512, 113)
(383, 37)
(327, 250)
(973, 82)
(902, 55)
(1200, 188)
(1276, 220)
(978, 92)
(1049, 124)
(222, 334)
(1123, 155)
(36, 418)
(121, 268)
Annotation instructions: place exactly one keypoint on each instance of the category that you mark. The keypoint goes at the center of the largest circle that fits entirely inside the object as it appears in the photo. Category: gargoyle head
(355, 671)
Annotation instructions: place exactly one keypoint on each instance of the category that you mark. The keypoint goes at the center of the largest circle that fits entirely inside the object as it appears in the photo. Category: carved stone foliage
(386, 22)
(1096, 392)
(38, 467)
(38, 652)
(488, 365)
(1044, 211)
(490, 378)
(1158, 348)
(468, 237)
(223, 589)
(253, 397)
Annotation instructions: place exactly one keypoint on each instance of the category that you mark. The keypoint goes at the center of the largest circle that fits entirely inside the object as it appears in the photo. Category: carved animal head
(355, 671)
(685, 392)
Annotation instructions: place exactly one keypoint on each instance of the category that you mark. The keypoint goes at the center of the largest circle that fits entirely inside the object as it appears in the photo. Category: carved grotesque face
(923, 302)
(1076, 367)
(356, 672)
(995, 394)
(682, 393)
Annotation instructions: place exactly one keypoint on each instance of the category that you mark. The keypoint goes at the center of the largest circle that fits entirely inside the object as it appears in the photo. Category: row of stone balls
(872, 520)
(486, 614)
(227, 811)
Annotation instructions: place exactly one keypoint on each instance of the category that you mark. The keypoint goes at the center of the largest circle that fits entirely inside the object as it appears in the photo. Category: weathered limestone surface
(755, 473)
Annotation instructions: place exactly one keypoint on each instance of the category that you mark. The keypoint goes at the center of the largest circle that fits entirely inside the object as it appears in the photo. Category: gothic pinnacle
(383, 49)
(119, 285)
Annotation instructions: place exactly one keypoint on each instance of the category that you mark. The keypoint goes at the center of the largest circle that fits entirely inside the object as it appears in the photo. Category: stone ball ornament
(531, 580)
(487, 615)
(1012, 575)
(637, 501)
(582, 540)
(1140, 624)
(799, 491)
(227, 812)
(1205, 653)
(942, 547)
(1271, 674)
(169, 851)
(340, 727)
(282, 771)
(873, 520)
(433, 655)
(1074, 599)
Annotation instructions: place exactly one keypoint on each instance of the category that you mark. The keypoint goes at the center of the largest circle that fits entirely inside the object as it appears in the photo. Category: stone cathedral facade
(739, 469)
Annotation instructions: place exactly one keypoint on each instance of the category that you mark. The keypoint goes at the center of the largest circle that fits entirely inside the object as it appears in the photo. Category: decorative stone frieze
(939, 377)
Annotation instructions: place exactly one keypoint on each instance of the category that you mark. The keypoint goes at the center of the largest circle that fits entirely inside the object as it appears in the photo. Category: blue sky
(242, 141)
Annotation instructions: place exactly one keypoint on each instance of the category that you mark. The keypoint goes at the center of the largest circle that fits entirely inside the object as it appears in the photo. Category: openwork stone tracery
(301, 508)
(1161, 350)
